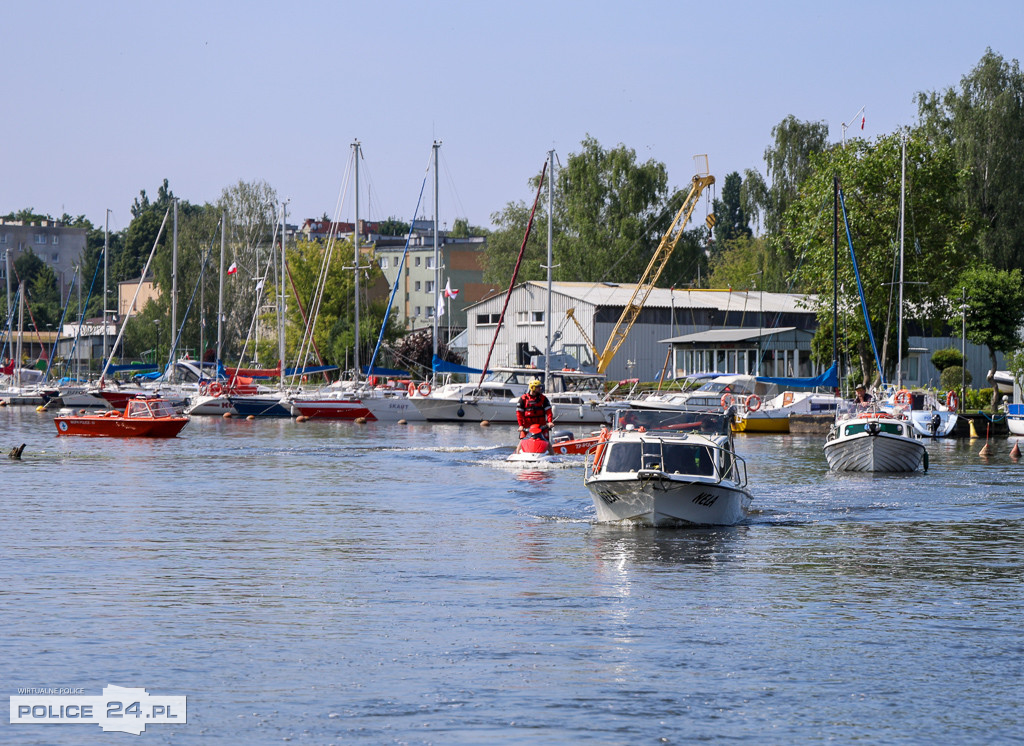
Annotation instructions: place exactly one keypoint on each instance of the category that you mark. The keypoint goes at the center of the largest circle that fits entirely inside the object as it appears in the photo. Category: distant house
(58, 245)
(126, 294)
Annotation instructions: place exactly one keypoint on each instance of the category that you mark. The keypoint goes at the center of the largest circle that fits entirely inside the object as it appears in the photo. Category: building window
(430, 262)
(417, 311)
(56, 240)
(430, 312)
(418, 261)
(418, 285)
(383, 262)
(430, 286)
(56, 257)
(487, 319)
(3, 238)
(40, 238)
(524, 318)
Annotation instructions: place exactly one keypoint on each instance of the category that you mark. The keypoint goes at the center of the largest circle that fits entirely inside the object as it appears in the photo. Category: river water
(383, 583)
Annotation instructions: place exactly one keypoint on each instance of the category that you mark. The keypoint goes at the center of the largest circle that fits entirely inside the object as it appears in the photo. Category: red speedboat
(141, 418)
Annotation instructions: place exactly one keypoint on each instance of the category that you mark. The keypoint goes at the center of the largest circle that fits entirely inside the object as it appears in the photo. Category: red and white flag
(862, 120)
(448, 292)
(233, 268)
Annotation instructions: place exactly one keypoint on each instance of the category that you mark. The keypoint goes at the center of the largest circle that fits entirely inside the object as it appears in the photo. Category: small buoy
(301, 418)
(1015, 451)
(402, 422)
(360, 420)
(40, 408)
(484, 423)
(984, 451)
(226, 415)
(3, 402)
(251, 417)
(974, 431)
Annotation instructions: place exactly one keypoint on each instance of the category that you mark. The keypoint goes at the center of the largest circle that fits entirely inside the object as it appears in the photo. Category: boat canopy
(376, 371)
(828, 379)
(443, 366)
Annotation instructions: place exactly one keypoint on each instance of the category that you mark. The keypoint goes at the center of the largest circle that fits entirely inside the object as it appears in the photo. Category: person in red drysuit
(534, 409)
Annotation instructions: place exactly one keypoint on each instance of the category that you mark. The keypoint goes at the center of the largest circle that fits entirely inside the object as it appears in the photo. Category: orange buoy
(1015, 451)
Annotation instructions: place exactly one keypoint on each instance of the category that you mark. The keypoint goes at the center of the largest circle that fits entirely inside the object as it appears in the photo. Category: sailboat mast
(551, 220)
(174, 294)
(220, 284)
(437, 253)
(106, 247)
(280, 295)
(835, 271)
(355, 241)
(21, 332)
(899, 332)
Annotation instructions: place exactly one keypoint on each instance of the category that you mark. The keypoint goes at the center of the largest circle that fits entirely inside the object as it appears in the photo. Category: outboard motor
(561, 436)
(934, 423)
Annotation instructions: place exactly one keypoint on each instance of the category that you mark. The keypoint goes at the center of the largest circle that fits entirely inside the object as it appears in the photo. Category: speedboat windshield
(706, 423)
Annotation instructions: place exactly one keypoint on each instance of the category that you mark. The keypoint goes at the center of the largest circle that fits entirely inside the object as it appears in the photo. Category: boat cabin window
(893, 428)
(161, 409)
(138, 409)
(672, 458)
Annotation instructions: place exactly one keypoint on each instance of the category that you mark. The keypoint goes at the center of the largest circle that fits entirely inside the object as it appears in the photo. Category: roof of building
(713, 336)
(619, 294)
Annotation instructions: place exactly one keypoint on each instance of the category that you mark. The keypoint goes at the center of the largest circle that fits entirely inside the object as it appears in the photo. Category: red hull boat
(142, 418)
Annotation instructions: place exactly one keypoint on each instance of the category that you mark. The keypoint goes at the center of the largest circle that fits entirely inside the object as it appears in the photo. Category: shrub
(952, 378)
(948, 358)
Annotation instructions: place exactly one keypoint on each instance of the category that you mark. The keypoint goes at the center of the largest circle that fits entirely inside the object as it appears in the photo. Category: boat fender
(424, 388)
(599, 450)
(411, 388)
(952, 401)
(753, 403)
(215, 389)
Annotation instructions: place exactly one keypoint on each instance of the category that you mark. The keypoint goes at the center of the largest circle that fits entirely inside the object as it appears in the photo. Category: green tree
(870, 177)
(983, 122)
(730, 219)
(462, 229)
(27, 266)
(741, 265)
(44, 298)
(995, 312)
(393, 227)
(947, 358)
(27, 215)
(504, 243)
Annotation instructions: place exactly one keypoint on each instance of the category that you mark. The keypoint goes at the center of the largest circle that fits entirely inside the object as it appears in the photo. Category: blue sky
(104, 99)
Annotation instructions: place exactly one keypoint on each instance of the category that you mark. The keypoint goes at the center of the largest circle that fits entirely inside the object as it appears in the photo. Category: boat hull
(119, 427)
(660, 500)
(751, 423)
(260, 406)
(331, 409)
(874, 453)
(393, 409)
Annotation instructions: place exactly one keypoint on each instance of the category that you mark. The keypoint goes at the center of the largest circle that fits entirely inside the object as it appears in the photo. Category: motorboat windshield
(705, 423)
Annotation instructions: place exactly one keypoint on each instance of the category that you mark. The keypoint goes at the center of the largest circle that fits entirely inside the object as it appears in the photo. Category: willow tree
(870, 177)
(983, 122)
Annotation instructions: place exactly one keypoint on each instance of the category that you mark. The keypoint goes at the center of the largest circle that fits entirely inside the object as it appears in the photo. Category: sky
(105, 99)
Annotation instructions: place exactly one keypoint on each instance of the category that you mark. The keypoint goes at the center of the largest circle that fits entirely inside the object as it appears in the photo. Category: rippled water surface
(338, 583)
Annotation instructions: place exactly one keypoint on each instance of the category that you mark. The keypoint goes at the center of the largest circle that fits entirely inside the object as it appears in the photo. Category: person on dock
(534, 409)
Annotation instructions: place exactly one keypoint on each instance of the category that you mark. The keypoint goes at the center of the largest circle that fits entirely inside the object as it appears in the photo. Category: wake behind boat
(666, 468)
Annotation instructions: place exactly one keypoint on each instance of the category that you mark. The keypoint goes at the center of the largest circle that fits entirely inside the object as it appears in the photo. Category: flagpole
(846, 126)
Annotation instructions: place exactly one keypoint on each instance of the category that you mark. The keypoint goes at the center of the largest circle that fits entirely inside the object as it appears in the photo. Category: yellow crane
(651, 274)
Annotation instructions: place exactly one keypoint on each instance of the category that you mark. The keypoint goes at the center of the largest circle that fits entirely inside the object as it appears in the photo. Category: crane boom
(653, 271)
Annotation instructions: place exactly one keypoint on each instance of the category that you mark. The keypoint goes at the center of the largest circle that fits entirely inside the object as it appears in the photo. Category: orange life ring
(903, 396)
(423, 388)
(411, 388)
(753, 403)
(952, 401)
(215, 389)
(727, 400)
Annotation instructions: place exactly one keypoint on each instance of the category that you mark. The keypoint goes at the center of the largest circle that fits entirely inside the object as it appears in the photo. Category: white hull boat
(392, 408)
(671, 469)
(875, 442)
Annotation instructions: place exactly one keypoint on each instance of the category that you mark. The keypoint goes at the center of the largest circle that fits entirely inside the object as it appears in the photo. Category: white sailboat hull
(874, 453)
(657, 499)
(393, 408)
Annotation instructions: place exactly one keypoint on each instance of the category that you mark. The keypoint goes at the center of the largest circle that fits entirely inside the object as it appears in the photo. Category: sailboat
(867, 437)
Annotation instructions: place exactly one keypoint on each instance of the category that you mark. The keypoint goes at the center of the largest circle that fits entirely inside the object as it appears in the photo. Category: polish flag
(448, 292)
(233, 268)
(862, 120)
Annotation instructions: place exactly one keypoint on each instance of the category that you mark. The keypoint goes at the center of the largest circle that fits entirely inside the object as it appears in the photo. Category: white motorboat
(930, 417)
(667, 468)
(773, 415)
(722, 391)
(1015, 419)
(874, 440)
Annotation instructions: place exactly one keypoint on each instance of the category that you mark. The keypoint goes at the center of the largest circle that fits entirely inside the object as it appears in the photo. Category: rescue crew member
(534, 409)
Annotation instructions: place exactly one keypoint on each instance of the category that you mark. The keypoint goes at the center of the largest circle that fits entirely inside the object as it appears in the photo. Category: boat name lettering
(705, 498)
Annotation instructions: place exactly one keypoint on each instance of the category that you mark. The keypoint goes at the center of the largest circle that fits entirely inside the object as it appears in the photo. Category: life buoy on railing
(424, 388)
(727, 400)
(411, 388)
(202, 387)
(903, 396)
(753, 403)
(215, 389)
(952, 401)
